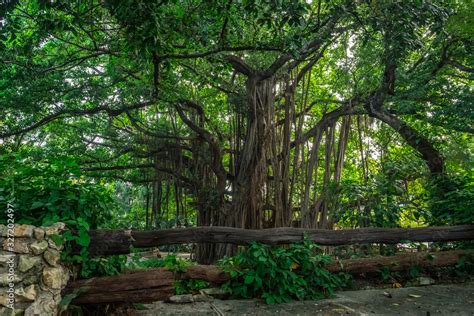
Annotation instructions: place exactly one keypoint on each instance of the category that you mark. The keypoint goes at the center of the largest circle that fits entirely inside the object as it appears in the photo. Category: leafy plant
(281, 274)
(189, 286)
(414, 272)
(175, 264)
(388, 275)
(465, 266)
(452, 200)
(111, 265)
(172, 263)
(52, 189)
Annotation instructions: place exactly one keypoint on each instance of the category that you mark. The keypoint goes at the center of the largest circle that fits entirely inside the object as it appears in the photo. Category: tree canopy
(242, 113)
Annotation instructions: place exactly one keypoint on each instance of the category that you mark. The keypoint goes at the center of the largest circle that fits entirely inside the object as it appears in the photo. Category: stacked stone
(39, 276)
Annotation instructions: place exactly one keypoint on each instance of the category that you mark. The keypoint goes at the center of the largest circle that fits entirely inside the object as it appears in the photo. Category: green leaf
(249, 279)
(57, 239)
(83, 239)
(37, 204)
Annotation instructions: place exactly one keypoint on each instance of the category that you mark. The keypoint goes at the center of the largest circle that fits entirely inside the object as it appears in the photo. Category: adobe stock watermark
(11, 260)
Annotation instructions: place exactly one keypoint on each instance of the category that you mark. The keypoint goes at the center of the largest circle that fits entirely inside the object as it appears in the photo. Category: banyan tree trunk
(211, 209)
(208, 253)
(250, 184)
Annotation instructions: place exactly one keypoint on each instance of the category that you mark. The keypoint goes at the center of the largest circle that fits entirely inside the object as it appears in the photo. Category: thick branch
(430, 155)
(214, 145)
(347, 109)
(240, 66)
(74, 113)
(460, 66)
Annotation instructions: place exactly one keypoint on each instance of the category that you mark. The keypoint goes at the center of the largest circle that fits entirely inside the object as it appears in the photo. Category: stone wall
(32, 262)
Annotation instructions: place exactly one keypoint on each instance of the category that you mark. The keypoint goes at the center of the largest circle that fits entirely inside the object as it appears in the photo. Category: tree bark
(252, 173)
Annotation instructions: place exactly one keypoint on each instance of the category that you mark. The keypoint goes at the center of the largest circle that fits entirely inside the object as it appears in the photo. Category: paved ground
(454, 299)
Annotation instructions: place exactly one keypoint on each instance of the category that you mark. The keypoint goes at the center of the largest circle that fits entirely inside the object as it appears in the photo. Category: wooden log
(399, 262)
(150, 278)
(209, 273)
(135, 296)
(132, 280)
(142, 286)
(108, 242)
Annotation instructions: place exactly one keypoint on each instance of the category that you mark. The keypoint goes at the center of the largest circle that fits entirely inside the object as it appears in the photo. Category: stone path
(453, 299)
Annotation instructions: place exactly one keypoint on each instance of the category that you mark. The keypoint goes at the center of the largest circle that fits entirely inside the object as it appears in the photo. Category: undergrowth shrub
(281, 274)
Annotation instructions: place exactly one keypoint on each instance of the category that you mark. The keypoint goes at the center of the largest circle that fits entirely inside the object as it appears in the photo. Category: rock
(38, 233)
(55, 277)
(20, 245)
(18, 312)
(181, 299)
(54, 229)
(423, 281)
(3, 231)
(215, 292)
(52, 256)
(31, 279)
(53, 245)
(6, 259)
(7, 299)
(6, 278)
(21, 295)
(23, 230)
(27, 262)
(39, 247)
(26, 294)
(5, 311)
(43, 305)
(4, 299)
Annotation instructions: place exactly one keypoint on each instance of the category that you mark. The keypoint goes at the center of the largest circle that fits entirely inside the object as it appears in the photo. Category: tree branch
(216, 153)
(74, 113)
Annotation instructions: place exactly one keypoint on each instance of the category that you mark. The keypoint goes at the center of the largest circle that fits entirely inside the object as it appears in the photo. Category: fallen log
(135, 296)
(142, 286)
(399, 262)
(208, 273)
(109, 242)
(132, 280)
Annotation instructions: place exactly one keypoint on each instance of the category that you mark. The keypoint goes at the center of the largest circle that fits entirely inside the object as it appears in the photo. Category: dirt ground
(453, 299)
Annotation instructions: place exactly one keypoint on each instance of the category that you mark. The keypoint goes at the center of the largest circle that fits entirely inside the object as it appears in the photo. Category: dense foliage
(52, 189)
(281, 274)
